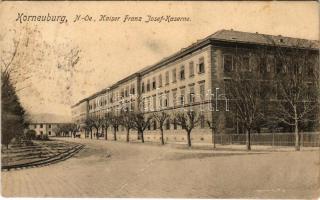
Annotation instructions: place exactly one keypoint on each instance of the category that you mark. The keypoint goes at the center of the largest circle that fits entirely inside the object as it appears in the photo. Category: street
(117, 169)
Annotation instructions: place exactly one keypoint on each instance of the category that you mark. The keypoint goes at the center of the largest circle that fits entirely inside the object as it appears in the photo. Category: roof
(48, 118)
(263, 39)
(224, 36)
(231, 36)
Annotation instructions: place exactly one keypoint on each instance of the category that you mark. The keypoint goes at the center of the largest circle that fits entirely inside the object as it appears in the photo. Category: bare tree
(115, 122)
(126, 120)
(74, 128)
(296, 93)
(161, 118)
(141, 122)
(244, 93)
(97, 123)
(214, 126)
(89, 125)
(188, 121)
(107, 123)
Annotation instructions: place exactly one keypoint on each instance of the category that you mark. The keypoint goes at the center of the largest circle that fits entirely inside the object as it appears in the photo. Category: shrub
(45, 137)
(30, 135)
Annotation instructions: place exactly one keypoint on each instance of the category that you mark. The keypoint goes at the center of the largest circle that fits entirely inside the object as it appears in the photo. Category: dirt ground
(117, 169)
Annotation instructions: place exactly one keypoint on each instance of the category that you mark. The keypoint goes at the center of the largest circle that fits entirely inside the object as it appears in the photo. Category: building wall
(166, 96)
(43, 128)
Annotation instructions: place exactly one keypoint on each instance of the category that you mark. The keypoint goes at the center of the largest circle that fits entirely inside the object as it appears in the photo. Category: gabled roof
(263, 39)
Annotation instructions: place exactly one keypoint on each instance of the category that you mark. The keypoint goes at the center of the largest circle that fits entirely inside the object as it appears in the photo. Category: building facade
(41, 129)
(193, 78)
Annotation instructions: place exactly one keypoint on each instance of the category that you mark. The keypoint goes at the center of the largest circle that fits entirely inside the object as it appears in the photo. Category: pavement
(117, 169)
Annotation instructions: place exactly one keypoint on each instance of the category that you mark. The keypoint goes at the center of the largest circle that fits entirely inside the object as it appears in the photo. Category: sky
(110, 51)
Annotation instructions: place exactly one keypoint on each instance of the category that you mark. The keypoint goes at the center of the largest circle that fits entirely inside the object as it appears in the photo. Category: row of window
(153, 85)
(265, 64)
(41, 125)
(162, 101)
(41, 132)
(177, 99)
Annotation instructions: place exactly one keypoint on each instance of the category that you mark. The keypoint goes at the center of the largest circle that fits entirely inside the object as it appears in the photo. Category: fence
(271, 139)
(307, 139)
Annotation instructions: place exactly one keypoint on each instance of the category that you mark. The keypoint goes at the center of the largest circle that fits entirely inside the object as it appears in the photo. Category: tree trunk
(128, 130)
(138, 135)
(115, 133)
(213, 139)
(189, 138)
(162, 139)
(142, 137)
(297, 135)
(248, 139)
(97, 135)
(106, 133)
(90, 134)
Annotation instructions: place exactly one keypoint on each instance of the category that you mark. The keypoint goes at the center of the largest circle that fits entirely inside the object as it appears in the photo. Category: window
(285, 68)
(191, 95)
(111, 99)
(182, 73)
(160, 101)
(154, 125)
(167, 78)
(202, 92)
(41, 132)
(174, 124)
(148, 85)
(143, 104)
(122, 93)
(142, 87)
(35, 126)
(246, 64)
(41, 125)
(263, 65)
(202, 121)
(265, 90)
(132, 89)
(191, 69)
(310, 70)
(49, 125)
(278, 66)
(154, 102)
(174, 98)
(126, 93)
(182, 97)
(154, 83)
(201, 65)
(160, 80)
(174, 75)
(270, 63)
(168, 124)
(49, 132)
(227, 63)
(148, 103)
(166, 100)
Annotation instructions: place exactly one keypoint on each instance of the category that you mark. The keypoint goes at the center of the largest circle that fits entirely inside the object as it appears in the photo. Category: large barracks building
(192, 78)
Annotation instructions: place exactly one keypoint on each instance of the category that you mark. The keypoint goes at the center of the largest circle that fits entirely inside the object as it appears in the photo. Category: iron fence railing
(272, 139)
